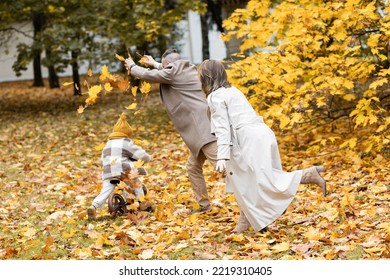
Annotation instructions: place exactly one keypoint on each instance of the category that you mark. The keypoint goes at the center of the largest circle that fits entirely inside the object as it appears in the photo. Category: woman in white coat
(248, 153)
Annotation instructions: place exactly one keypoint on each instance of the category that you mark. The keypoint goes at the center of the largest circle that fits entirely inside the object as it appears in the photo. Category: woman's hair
(212, 75)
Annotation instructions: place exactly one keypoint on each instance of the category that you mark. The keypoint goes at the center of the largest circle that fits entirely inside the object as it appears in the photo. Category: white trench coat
(262, 189)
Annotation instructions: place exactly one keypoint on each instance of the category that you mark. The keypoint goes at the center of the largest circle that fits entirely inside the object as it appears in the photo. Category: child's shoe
(91, 213)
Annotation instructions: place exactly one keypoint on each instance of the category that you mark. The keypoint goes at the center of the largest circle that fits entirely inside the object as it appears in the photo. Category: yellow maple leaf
(93, 94)
(103, 240)
(89, 72)
(132, 106)
(144, 61)
(284, 122)
(107, 87)
(104, 74)
(121, 58)
(68, 234)
(145, 87)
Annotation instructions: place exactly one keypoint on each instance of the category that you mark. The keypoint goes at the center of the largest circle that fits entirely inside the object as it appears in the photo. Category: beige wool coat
(183, 98)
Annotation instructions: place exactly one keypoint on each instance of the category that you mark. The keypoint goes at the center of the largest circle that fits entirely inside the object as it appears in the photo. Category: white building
(191, 48)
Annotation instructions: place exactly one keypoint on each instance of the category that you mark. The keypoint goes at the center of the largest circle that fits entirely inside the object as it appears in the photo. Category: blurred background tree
(71, 32)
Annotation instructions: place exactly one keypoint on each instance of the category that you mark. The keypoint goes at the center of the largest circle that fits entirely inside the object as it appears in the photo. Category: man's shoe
(91, 213)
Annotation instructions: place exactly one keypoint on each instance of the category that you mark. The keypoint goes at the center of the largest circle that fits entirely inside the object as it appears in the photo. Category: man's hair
(171, 55)
(169, 51)
(213, 76)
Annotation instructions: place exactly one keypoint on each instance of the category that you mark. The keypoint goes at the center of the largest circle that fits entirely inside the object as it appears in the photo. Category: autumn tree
(147, 27)
(212, 16)
(312, 66)
(72, 32)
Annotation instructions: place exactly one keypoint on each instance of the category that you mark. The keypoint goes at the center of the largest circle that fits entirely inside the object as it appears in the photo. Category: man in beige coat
(186, 105)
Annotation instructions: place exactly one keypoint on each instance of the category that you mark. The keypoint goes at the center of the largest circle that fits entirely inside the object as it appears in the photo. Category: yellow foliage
(131, 106)
(104, 74)
(303, 64)
(145, 87)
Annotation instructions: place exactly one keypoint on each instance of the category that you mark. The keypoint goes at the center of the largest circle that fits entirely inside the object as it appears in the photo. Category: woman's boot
(243, 223)
(312, 176)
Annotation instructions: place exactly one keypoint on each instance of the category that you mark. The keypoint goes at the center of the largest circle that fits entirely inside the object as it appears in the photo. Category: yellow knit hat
(122, 129)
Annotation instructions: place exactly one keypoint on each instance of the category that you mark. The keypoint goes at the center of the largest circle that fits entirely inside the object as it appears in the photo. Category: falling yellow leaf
(121, 58)
(67, 84)
(80, 110)
(108, 87)
(93, 94)
(89, 72)
(104, 74)
(144, 61)
(134, 90)
(100, 147)
(132, 106)
(145, 87)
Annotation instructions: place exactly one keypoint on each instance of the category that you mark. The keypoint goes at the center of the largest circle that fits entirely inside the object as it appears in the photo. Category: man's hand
(129, 62)
(148, 60)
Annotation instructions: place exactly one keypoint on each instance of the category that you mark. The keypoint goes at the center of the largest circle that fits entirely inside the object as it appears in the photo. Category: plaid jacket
(118, 155)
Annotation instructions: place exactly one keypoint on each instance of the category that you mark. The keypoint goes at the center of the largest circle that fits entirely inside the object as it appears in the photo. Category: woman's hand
(221, 166)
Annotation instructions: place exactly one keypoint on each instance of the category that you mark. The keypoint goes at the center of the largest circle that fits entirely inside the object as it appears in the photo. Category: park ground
(50, 172)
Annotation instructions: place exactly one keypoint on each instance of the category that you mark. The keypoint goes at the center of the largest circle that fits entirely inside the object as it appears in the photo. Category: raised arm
(160, 75)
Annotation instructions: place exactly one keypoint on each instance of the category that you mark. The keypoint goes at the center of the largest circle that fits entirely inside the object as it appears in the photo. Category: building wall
(191, 48)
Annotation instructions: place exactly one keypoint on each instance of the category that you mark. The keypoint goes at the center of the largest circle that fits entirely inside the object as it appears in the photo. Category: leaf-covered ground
(50, 173)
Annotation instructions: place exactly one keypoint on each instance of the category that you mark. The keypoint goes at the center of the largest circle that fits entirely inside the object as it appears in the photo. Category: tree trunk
(38, 22)
(53, 78)
(75, 73)
(38, 80)
(205, 37)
